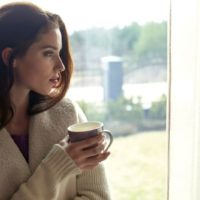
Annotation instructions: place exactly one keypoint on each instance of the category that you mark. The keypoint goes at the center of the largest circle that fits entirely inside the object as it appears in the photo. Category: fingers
(84, 144)
(93, 151)
(94, 161)
(88, 153)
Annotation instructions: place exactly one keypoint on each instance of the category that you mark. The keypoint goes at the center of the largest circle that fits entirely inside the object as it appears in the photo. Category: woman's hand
(88, 153)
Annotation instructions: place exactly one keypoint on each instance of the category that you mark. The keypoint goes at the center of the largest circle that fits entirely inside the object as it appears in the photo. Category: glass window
(120, 78)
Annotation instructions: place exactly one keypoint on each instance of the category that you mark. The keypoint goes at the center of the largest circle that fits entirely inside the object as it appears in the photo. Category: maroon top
(22, 143)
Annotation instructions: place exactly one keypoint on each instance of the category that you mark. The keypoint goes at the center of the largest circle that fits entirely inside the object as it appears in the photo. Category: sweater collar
(38, 144)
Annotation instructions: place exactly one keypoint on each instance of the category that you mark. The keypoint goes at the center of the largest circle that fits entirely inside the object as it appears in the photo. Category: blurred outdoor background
(120, 57)
(120, 79)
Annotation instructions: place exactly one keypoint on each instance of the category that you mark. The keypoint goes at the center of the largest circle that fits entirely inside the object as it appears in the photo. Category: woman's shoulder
(68, 107)
(64, 103)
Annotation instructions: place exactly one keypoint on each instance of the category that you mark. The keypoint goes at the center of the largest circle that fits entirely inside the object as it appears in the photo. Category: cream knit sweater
(51, 174)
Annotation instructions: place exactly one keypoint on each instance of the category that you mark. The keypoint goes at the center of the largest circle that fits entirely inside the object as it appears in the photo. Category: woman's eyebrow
(49, 47)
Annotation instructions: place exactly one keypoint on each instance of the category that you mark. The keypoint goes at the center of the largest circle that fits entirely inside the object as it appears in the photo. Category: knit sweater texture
(51, 174)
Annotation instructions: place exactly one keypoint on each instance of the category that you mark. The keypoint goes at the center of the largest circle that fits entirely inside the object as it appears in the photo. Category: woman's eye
(48, 53)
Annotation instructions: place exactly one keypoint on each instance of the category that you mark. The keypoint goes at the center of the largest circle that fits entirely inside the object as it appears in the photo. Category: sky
(83, 14)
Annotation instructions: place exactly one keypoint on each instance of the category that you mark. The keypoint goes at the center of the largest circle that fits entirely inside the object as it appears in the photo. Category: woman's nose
(60, 65)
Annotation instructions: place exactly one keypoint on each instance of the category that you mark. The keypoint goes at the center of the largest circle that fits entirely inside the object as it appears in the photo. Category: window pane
(120, 78)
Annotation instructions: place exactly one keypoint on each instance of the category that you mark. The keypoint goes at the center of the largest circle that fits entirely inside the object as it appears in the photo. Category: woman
(36, 160)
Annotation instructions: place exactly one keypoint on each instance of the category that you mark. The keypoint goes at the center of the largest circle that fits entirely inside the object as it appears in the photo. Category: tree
(124, 39)
(151, 48)
(137, 45)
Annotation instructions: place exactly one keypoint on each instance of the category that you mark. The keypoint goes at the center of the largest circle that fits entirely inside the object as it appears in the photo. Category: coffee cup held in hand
(81, 131)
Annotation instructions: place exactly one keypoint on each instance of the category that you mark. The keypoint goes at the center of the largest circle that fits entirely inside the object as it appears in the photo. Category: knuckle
(91, 141)
(96, 150)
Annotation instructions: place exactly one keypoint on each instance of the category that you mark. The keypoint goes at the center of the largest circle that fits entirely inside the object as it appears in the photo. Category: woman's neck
(20, 121)
(20, 99)
(18, 126)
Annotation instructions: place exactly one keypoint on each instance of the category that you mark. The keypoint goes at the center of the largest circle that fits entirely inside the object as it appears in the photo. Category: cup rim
(100, 125)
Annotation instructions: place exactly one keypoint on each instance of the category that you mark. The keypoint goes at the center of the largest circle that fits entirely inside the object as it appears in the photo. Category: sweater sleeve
(44, 182)
(92, 184)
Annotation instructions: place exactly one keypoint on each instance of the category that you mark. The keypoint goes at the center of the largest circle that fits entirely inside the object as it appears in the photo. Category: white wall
(184, 108)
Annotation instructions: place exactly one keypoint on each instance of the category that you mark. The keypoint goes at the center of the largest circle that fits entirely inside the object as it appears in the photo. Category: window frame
(184, 100)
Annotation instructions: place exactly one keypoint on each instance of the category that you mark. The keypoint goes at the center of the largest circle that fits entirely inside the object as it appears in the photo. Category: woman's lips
(54, 81)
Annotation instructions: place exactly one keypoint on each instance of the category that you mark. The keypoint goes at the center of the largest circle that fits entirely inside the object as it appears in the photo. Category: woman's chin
(45, 92)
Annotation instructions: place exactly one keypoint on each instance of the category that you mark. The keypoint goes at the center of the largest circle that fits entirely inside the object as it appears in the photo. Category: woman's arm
(44, 182)
(58, 166)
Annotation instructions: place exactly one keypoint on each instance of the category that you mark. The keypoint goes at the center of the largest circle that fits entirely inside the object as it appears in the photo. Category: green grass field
(137, 167)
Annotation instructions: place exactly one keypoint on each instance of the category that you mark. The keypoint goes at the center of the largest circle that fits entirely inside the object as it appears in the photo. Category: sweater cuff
(60, 163)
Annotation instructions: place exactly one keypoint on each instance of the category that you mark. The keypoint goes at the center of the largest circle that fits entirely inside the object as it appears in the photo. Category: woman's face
(39, 69)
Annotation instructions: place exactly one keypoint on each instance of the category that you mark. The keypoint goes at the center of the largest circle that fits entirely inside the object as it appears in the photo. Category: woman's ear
(6, 53)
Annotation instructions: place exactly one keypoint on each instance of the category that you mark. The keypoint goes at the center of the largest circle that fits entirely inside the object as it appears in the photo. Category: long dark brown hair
(20, 25)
